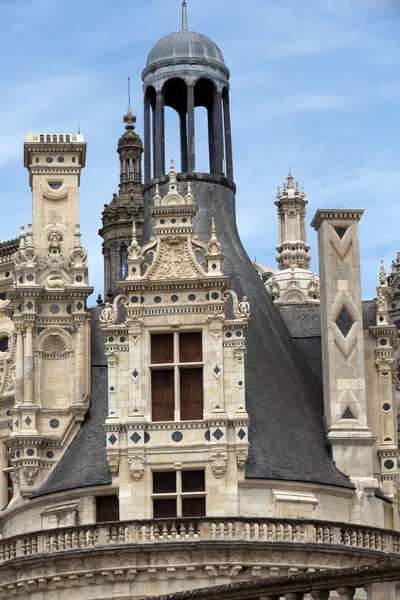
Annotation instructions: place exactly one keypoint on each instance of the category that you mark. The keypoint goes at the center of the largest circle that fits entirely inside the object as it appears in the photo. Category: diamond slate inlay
(344, 321)
(28, 421)
(29, 305)
(218, 434)
(241, 434)
(217, 370)
(112, 439)
(79, 306)
(136, 437)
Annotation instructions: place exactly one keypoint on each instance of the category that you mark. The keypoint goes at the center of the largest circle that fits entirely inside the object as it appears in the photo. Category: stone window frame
(179, 495)
(176, 365)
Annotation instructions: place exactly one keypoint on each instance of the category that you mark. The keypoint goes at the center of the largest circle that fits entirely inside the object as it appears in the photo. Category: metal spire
(129, 92)
(184, 16)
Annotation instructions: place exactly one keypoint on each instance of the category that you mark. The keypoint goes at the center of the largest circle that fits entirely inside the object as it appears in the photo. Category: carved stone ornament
(241, 457)
(113, 463)
(136, 466)
(215, 325)
(109, 314)
(30, 474)
(218, 463)
(15, 476)
(134, 324)
(55, 281)
(241, 309)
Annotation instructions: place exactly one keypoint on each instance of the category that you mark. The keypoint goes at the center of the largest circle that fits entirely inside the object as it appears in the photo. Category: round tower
(184, 70)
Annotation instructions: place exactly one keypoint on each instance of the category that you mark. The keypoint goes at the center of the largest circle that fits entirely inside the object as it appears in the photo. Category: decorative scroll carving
(109, 314)
(241, 309)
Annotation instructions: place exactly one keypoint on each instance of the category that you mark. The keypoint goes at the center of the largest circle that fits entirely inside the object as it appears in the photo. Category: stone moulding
(127, 552)
(298, 531)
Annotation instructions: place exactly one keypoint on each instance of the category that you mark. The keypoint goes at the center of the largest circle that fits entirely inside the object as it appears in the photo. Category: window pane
(193, 507)
(107, 508)
(162, 395)
(164, 508)
(164, 483)
(162, 348)
(190, 347)
(193, 481)
(191, 394)
(123, 264)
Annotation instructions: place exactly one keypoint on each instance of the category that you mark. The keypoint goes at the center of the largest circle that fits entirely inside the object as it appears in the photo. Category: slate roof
(283, 387)
(9, 247)
(283, 396)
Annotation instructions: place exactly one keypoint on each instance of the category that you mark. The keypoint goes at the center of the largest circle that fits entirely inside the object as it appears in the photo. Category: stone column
(346, 593)
(79, 363)
(160, 134)
(147, 141)
(191, 131)
(184, 141)
(28, 364)
(320, 594)
(211, 140)
(218, 133)
(343, 343)
(228, 137)
(19, 366)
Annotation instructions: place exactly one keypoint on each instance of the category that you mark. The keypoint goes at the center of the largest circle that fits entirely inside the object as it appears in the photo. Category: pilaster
(342, 343)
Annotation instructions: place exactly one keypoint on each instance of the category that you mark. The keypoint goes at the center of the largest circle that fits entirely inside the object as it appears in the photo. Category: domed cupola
(186, 70)
(183, 45)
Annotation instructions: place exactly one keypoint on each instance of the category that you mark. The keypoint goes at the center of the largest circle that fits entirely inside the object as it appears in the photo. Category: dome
(185, 44)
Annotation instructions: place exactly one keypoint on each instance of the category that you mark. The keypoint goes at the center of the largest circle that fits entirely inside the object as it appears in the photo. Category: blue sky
(314, 84)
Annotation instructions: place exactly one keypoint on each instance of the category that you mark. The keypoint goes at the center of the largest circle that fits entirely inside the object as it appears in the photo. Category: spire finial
(129, 92)
(382, 274)
(184, 16)
(290, 180)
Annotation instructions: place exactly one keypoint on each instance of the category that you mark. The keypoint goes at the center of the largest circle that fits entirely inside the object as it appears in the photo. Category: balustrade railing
(200, 529)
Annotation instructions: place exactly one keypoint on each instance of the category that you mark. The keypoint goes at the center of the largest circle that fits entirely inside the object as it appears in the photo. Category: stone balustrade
(200, 529)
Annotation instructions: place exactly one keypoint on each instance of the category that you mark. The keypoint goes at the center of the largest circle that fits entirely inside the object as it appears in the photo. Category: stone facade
(50, 328)
(134, 454)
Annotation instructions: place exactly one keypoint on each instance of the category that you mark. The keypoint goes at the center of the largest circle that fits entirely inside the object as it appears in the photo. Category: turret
(124, 209)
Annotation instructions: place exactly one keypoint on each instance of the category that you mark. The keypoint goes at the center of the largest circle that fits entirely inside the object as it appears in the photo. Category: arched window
(123, 264)
(149, 132)
(176, 136)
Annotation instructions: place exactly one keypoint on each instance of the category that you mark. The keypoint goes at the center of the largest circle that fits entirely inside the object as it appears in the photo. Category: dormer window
(176, 377)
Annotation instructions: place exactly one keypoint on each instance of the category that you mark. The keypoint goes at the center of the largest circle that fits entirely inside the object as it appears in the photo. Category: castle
(212, 421)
